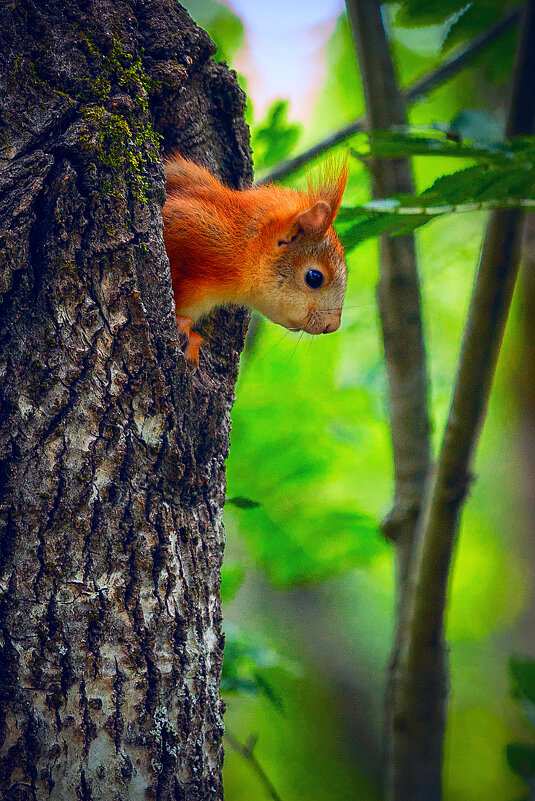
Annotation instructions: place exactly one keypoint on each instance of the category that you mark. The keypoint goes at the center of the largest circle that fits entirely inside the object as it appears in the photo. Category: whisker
(261, 356)
(352, 306)
(296, 346)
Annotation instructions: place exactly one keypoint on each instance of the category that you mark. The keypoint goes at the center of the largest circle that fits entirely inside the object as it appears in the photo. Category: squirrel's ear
(314, 220)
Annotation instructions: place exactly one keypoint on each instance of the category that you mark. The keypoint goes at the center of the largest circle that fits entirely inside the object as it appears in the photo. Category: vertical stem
(398, 290)
(523, 377)
(419, 682)
(416, 701)
(399, 306)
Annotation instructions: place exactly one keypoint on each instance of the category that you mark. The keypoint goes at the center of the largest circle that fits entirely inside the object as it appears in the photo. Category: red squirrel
(269, 248)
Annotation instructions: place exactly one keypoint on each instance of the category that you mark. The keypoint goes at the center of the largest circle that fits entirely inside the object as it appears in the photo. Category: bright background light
(284, 53)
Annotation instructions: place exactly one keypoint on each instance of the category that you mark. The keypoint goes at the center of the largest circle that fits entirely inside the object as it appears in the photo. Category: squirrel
(269, 248)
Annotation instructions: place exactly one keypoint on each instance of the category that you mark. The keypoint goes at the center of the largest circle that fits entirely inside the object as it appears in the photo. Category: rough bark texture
(111, 449)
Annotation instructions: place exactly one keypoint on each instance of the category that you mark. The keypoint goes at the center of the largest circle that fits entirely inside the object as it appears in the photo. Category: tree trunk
(111, 449)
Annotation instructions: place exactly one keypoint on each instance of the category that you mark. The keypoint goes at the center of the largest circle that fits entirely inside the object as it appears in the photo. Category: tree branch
(398, 290)
(246, 751)
(399, 306)
(427, 84)
(420, 682)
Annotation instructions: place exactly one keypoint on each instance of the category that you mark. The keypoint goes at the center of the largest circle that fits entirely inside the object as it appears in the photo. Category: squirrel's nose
(331, 327)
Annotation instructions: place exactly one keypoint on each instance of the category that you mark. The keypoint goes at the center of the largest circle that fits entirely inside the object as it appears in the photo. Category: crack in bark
(110, 489)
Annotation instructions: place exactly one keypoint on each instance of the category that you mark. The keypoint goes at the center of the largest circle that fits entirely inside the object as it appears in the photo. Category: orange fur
(224, 244)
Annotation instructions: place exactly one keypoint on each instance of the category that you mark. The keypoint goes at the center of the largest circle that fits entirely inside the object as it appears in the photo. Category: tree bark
(112, 450)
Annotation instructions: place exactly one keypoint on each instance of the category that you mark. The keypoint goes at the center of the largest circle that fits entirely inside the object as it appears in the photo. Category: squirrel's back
(254, 246)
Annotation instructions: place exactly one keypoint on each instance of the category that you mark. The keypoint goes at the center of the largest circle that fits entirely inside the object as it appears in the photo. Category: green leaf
(311, 525)
(248, 663)
(232, 576)
(325, 542)
(242, 503)
(521, 759)
(432, 142)
(523, 674)
(461, 20)
(422, 13)
(273, 139)
(223, 26)
(367, 226)
(476, 18)
(504, 178)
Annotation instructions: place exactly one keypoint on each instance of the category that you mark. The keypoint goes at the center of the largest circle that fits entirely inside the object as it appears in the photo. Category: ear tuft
(331, 185)
(316, 219)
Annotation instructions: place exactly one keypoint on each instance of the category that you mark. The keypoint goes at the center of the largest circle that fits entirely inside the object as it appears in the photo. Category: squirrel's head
(306, 276)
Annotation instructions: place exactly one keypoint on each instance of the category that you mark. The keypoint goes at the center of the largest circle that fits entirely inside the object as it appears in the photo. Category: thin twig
(246, 751)
(414, 93)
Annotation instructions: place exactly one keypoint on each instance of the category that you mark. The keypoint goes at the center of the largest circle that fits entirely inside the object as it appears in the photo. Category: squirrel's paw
(194, 340)
(192, 348)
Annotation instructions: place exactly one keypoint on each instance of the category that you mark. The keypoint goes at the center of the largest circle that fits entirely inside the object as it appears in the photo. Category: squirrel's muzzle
(333, 324)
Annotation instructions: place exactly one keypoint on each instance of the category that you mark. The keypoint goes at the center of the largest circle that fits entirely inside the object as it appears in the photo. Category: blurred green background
(308, 580)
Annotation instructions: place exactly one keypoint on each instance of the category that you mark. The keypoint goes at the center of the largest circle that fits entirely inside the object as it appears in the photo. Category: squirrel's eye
(314, 279)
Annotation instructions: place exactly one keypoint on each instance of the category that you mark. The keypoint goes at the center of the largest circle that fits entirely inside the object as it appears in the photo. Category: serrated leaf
(242, 503)
(410, 224)
(366, 227)
(432, 142)
(479, 186)
(521, 759)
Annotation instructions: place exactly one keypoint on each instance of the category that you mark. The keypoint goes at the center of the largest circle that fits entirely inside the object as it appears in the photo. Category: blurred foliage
(300, 467)
(521, 756)
(249, 662)
(224, 27)
(459, 20)
(308, 579)
(473, 123)
(341, 99)
(232, 575)
(274, 138)
(242, 503)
